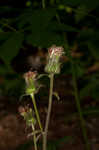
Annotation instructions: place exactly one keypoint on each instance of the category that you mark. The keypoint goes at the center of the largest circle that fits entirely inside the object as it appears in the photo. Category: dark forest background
(29, 27)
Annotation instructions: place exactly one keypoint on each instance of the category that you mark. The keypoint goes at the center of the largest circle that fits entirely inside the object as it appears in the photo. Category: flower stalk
(48, 113)
(52, 67)
(36, 112)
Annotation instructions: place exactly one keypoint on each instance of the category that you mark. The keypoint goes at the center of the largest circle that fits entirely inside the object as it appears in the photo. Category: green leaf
(10, 47)
(55, 26)
(45, 39)
(38, 19)
(38, 22)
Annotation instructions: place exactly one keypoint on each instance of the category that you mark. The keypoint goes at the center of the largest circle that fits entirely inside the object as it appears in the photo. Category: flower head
(27, 113)
(55, 51)
(30, 76)
(31, 82)
(54, 55)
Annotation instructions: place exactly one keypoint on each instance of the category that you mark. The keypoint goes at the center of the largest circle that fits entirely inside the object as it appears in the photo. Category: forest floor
(64, 125)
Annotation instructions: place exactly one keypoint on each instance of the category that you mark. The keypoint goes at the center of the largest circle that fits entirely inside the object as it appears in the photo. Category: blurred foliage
(29, 23)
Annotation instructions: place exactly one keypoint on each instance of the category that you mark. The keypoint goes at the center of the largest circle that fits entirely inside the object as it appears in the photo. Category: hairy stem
(36, 112)
(48, 113)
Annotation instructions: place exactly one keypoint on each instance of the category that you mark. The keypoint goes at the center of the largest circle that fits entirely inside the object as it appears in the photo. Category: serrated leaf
(10, 47)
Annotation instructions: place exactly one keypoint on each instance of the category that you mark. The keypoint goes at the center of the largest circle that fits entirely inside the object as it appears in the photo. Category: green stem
(36, 112)
(34, 138)
(43, 4)
(48, 113)
(77, 99)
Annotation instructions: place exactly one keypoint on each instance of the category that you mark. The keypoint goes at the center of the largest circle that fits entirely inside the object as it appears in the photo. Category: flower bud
(54, 55)
(30, 79)
(27, 113)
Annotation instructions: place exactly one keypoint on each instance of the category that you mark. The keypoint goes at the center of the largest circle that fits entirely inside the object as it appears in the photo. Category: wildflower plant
(32, 86)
